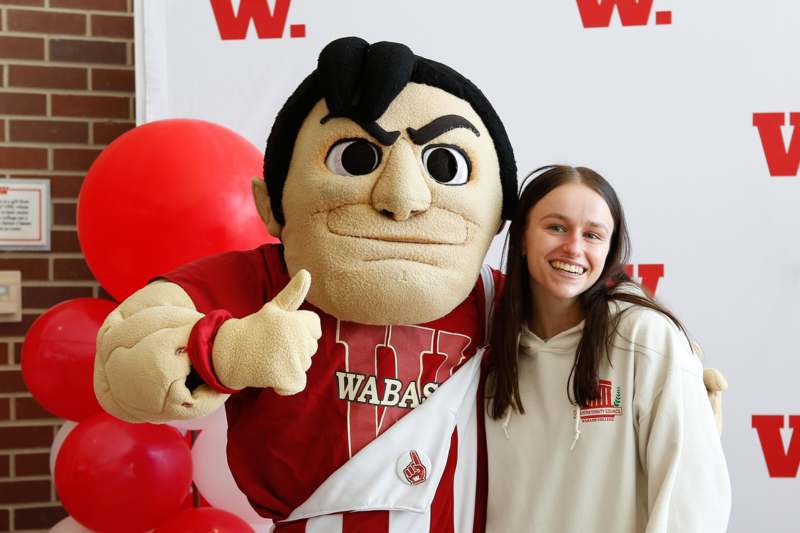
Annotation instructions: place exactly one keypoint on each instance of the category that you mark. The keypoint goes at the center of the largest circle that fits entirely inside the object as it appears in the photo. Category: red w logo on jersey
(597, 13)
(781, 161)
(389, 370)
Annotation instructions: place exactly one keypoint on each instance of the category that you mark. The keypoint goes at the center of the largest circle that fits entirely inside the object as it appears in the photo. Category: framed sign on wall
(25, 214)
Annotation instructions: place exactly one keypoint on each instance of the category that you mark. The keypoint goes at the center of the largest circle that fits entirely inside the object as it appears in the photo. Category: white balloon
(214, 479)
(199, 423)
(69, 525)
(65, 430)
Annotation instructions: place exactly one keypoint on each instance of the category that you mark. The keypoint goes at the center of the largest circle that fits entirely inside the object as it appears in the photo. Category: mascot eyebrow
(386, 138)
(438, 126)
(421, 136)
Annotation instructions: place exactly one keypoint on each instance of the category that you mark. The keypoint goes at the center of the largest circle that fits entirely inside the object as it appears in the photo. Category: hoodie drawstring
(506, 422)
(577, 427)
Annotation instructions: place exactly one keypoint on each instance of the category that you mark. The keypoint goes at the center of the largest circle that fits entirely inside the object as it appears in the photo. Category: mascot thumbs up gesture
(279, 340)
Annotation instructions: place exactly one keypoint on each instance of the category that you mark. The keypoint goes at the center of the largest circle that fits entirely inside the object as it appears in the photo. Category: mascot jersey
(388, 434)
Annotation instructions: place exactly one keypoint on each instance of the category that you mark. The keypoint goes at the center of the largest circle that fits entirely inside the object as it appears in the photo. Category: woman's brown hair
(515, 306)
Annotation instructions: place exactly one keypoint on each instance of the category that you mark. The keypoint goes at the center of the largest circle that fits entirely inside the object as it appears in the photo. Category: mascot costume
(349, 357)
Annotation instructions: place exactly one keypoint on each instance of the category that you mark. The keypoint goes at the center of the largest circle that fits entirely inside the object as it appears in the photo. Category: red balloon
(58, 357)
(204, 520)
(166, 193)
(120, 477)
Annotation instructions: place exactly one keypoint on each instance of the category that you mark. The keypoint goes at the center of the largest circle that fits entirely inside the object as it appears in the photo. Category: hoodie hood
(565, 342)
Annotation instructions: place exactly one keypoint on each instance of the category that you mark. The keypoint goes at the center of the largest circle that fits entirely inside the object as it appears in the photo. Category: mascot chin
(349, 357)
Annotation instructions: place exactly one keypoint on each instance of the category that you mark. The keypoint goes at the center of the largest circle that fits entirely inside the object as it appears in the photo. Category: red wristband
(201, 344)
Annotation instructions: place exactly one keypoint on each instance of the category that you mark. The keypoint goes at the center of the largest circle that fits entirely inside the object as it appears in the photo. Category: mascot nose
(401, 191)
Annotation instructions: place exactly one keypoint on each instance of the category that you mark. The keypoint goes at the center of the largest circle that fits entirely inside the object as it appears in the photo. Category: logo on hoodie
(605, 408)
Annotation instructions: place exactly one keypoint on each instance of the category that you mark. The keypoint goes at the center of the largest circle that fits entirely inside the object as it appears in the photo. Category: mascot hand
(141, 363)
(272, 347)
(715, 383)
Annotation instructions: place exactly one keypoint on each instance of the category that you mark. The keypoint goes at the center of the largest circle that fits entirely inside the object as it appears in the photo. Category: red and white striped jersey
(388, 434)
(444, 429)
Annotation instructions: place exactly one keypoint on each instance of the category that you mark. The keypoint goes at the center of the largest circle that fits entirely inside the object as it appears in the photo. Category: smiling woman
(566, 243)
(595, 359)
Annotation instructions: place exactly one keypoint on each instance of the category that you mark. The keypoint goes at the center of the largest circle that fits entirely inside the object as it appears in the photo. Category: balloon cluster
(161, 195)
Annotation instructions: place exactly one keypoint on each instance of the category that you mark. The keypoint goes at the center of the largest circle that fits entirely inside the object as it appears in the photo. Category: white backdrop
(664, 111)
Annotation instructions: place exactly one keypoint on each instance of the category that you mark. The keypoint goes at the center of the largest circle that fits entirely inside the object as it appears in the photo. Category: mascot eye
(446, 164)
(353, 157)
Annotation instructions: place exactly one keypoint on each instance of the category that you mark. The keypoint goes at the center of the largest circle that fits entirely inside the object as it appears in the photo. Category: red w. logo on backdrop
(597, 13)
(781, 161)
(649, 275)
(269, 23)
(780, 462)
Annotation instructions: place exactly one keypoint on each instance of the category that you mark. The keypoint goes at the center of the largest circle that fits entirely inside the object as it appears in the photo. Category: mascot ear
(261, 198)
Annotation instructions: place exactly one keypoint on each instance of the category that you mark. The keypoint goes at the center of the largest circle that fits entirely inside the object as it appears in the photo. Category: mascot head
(386, 177)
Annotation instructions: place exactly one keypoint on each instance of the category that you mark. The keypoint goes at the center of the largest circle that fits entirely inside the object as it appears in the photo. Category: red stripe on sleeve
(296, 526)
(442, 506)
(482, 488)
(366, 522)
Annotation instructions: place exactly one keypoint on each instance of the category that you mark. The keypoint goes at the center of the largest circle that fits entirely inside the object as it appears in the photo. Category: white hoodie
(645, 458)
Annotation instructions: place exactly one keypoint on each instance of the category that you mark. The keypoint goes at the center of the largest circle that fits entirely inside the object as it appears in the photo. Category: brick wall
(66, 90)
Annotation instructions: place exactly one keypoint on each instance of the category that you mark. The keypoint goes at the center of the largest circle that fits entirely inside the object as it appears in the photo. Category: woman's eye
(591, 235)
(557, 228)
(353, 157)
(446, 164)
